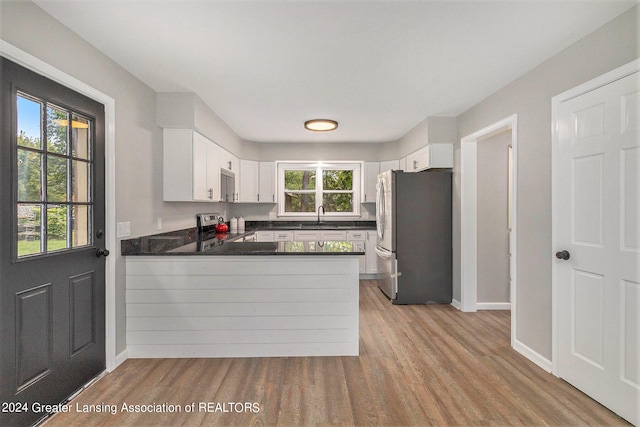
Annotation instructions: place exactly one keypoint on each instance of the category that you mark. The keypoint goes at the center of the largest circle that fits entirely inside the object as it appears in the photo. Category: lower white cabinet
(306, 236)
(283, 236)
(264, 236)
(370, 253)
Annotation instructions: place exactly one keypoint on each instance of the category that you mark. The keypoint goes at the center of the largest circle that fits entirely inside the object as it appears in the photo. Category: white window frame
(354, 166)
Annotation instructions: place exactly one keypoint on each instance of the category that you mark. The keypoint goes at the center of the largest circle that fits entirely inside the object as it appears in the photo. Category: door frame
(600, 81)
(469, 216)
(32, 63)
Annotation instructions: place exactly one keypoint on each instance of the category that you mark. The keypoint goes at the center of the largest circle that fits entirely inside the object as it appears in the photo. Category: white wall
(611, 46)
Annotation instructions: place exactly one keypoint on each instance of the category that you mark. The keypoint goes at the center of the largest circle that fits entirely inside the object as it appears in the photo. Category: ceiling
(377, 67)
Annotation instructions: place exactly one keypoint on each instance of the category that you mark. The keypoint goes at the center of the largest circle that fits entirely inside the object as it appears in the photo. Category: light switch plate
(124, 229)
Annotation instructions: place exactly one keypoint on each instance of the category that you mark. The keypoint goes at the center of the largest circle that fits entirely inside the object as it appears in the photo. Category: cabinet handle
(273, 197)
(229, 164)
(211, 194)
(415, 164)
(258, 196)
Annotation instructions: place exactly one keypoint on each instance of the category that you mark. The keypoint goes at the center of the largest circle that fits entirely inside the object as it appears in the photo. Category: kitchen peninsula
(208, 296)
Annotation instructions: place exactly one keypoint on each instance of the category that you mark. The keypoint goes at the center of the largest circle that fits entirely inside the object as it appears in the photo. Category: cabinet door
(228, 161)
(370, 252)
(267, 183)
(248, 181)
(362, 261)
(403, 164)
(371, 171)
(264, 236)
(213, 172)
(200, 168)
(305, 236)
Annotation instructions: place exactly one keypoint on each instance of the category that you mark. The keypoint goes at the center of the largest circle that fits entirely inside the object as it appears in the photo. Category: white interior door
(597, 223)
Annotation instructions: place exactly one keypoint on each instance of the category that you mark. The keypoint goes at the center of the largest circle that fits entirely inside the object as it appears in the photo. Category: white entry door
(597, 244)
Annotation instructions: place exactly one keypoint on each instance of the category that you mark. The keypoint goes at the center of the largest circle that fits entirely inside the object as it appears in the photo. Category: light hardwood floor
(418, 365)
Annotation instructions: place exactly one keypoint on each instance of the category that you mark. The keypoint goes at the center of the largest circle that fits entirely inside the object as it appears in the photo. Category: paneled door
(52, 267)
(597, 258)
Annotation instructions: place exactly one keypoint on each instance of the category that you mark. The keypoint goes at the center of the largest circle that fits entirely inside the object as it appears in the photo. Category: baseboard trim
(120, 358)
(456, 304)
(533, 356)
(493, 306)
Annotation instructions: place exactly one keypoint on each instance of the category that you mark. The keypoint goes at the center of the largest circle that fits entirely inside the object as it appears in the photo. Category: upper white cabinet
(431, 156)
(403, 164)
(249, 181)
(267, 182)
(228, 161)
(371, 171)
(190, 167)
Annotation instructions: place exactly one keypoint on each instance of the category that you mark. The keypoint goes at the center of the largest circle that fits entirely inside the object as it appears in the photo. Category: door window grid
(54, 182)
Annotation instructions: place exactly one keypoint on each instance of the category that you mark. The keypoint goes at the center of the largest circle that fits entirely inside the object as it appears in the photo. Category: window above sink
(310, 189)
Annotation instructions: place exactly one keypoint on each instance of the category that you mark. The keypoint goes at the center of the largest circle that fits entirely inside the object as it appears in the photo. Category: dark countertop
(187, 241)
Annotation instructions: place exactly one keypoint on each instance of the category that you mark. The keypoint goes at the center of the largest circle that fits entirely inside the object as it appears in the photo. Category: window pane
(29, 122)
(56, 179)
(300, 180)
(29, 176)
(56, 227)
(80, 137)
(29, 226)
(338, 202)
(337, 180)
(57, 128)
(81, 232)
(296, 202)
(80, 181)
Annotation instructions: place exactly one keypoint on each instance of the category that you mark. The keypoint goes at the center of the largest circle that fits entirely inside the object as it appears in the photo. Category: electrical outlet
(123, 229)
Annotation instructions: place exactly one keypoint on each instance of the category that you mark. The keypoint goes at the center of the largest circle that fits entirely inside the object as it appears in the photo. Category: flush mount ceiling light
(321, 125)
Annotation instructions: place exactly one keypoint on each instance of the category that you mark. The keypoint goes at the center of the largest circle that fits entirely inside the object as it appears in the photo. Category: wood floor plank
(419, 365)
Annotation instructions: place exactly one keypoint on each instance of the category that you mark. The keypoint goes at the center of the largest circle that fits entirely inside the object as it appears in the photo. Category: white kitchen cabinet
(431, 156)
(267, 182)
(264, 236)
(358, 238)
(306, 235)
(389, 165)
(370, 252)
(403, 164)
(249, 181)
(371, 171)
(190, 167)
(283, 236)
(333, 235)
(229, 162)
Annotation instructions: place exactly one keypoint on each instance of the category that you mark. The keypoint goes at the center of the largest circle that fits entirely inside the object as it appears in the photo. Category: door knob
(564, 255)
(102, 252)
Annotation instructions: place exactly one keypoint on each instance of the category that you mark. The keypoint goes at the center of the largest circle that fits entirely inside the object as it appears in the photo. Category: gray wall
(138, 138)
(493, 231)
(609, 47)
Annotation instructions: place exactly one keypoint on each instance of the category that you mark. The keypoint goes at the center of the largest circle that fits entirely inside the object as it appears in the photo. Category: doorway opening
(469, 216)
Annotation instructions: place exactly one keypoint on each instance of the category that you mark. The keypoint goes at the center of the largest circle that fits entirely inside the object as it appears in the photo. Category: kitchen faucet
(320, 207)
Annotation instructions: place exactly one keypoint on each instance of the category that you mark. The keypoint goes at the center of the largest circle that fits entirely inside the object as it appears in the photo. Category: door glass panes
(29, 226)
(29, 122)
(57, 128)
(54, 194)
(57, 176)
(56, 227)
(80, 181)
(81, 141)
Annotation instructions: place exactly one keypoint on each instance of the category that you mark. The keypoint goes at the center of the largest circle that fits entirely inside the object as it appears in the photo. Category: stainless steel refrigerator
(413, 219)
